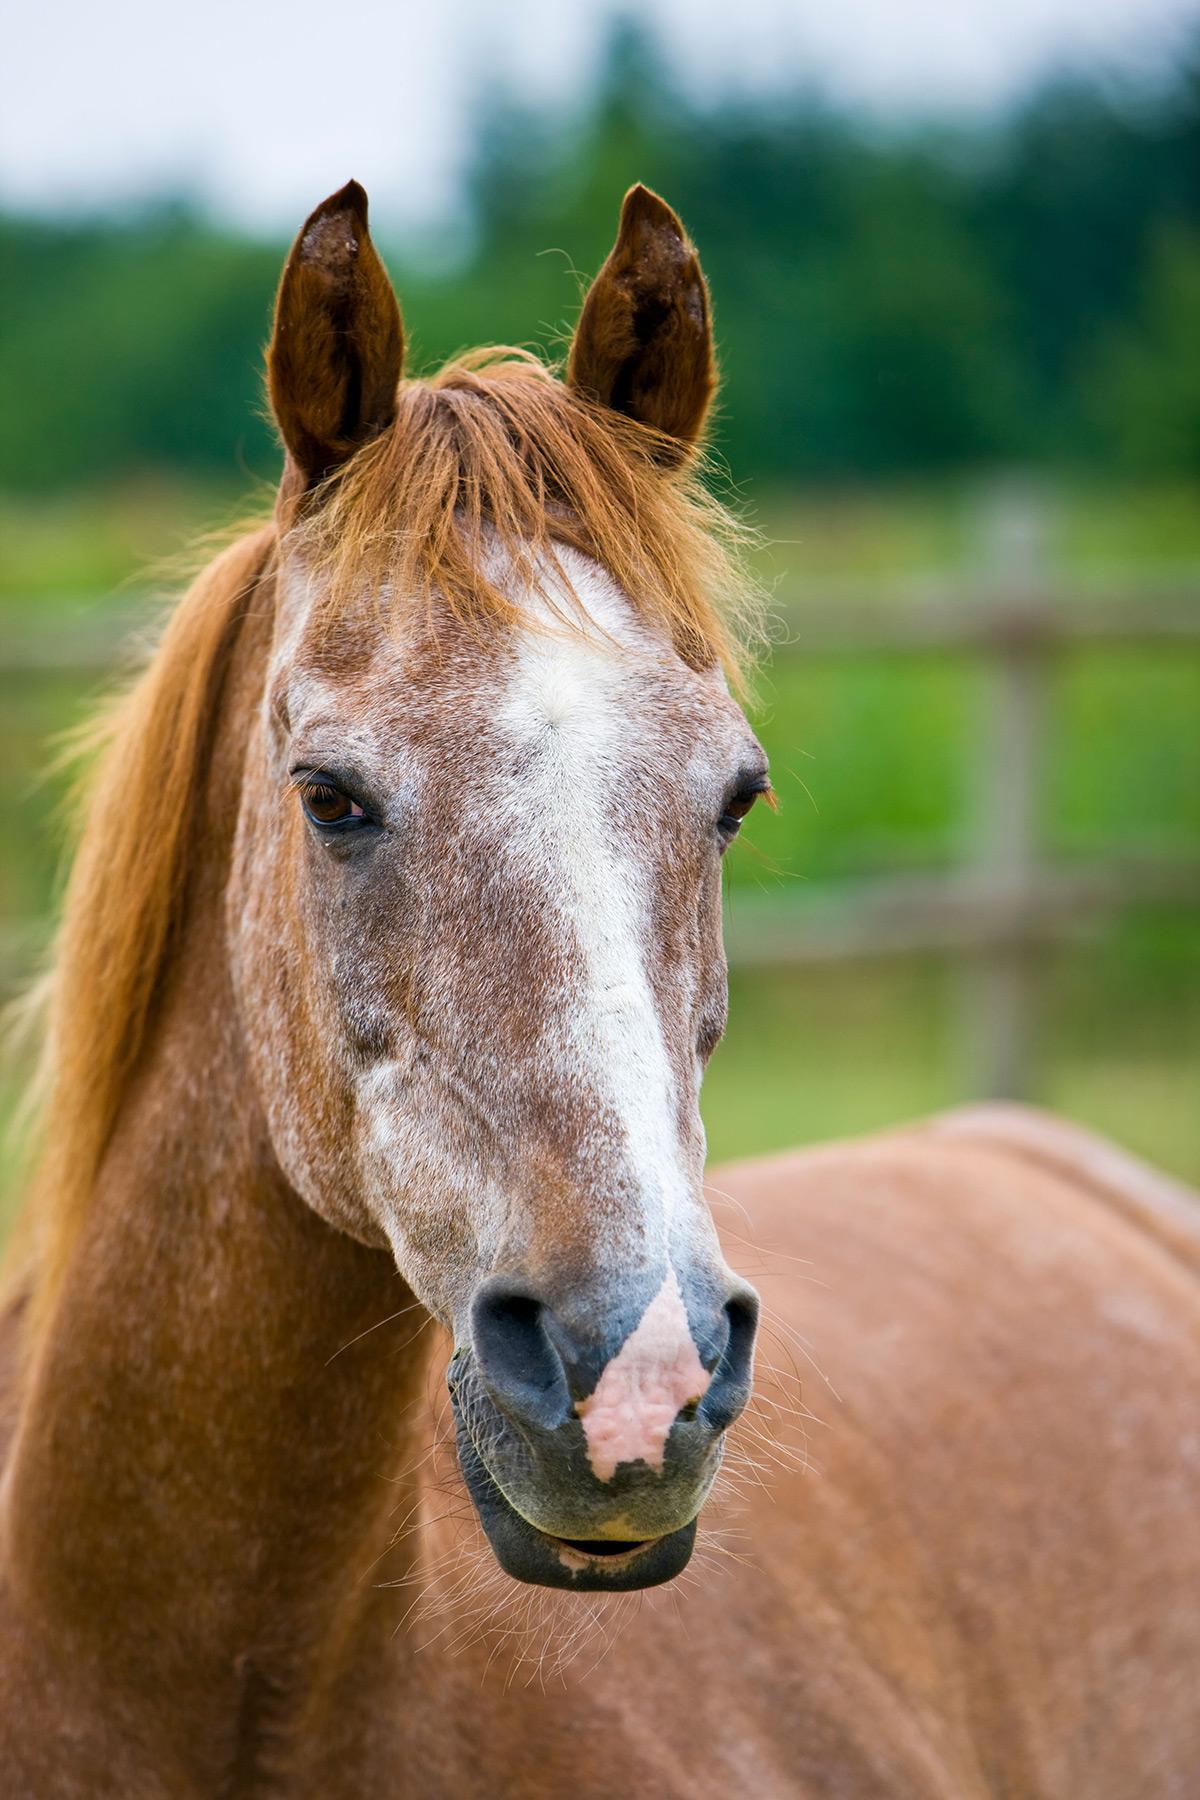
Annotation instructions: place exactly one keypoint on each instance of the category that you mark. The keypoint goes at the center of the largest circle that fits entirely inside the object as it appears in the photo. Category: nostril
(729, 1389)
(519, 1314)
(742, 1312)
(518, 1363)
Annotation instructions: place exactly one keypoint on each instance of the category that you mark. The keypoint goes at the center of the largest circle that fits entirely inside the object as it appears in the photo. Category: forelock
(495, 452)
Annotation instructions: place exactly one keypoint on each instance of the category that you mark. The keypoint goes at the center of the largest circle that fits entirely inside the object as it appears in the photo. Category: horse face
(475, 918)
(478, 915)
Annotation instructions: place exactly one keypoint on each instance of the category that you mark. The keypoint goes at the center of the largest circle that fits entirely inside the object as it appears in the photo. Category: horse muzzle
(589, 1449)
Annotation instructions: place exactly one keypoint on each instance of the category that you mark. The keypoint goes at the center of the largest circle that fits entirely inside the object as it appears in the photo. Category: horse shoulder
(985, 1331)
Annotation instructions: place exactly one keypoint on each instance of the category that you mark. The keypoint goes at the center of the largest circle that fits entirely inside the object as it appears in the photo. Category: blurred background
(955, 257)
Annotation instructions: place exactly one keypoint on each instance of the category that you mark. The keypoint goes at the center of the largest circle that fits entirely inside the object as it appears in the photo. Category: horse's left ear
(338, 344)
(643, 344)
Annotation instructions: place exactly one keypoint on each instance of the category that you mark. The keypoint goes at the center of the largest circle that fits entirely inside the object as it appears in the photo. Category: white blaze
(567, 709)
(564, 708)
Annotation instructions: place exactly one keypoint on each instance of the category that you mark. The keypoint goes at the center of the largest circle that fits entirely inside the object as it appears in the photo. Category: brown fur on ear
(338, 343)
(643, 344)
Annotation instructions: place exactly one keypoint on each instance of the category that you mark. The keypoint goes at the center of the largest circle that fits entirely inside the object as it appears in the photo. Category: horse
(369, 1302)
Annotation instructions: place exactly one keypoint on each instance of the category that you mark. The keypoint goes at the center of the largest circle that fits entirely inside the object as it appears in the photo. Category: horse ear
(643, 344)
(338, 344)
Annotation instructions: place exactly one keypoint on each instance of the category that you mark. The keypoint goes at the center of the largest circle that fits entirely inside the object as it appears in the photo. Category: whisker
(378, 1325)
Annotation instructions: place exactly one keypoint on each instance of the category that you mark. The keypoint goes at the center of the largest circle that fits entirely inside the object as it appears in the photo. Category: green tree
(1145, 386)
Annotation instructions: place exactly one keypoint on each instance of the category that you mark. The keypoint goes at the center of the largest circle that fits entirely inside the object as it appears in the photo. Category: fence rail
(952, 912)
(999, 910)
(1039, 621)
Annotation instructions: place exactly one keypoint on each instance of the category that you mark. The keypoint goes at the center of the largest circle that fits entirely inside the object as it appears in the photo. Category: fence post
(1002, 981)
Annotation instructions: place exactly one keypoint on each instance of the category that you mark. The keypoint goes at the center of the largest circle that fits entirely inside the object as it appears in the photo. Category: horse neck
(203, 1471)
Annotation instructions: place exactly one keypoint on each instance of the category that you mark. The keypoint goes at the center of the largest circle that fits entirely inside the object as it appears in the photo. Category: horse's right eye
(329, 807)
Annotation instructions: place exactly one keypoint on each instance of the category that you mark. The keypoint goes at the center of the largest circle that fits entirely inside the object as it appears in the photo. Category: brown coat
(986, 1583)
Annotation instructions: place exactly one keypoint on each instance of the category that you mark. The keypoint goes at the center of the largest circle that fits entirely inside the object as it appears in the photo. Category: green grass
(877, 763)
(65, 547)
(813, 1054)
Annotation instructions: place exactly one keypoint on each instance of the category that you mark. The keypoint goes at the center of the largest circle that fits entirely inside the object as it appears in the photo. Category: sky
(260, 107)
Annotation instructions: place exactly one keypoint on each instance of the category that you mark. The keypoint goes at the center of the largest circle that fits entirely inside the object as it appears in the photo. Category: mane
(145, 758)
(493, 448)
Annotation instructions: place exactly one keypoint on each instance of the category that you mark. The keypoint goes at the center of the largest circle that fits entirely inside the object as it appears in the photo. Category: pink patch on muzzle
(656, 1372)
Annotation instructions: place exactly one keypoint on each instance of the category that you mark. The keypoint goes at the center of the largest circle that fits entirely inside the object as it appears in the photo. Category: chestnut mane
(492, 444)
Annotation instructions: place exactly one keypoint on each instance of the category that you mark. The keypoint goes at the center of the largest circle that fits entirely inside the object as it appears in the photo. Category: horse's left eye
(739, 803)
(328, 806)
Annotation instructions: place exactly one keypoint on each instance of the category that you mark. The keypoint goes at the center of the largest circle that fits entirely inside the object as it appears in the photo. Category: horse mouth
(605, 1546)
(576, 1554)
(586, 1565)
(583, 1565)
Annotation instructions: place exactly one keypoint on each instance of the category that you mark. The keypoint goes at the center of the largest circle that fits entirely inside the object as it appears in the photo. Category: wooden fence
(999, 910)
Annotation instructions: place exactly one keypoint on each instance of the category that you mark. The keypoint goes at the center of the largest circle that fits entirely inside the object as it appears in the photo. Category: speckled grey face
(476, 912)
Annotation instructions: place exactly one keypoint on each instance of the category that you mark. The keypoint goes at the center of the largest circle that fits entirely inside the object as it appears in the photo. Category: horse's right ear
(338, 345)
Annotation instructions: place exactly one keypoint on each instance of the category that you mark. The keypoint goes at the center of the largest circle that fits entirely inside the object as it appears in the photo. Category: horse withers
(389, 967)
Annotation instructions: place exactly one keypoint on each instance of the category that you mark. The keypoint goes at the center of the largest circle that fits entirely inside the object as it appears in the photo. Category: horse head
(476, 905)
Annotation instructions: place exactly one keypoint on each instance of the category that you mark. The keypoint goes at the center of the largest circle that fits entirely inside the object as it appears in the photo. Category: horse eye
(739, 804)
(328, 805)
